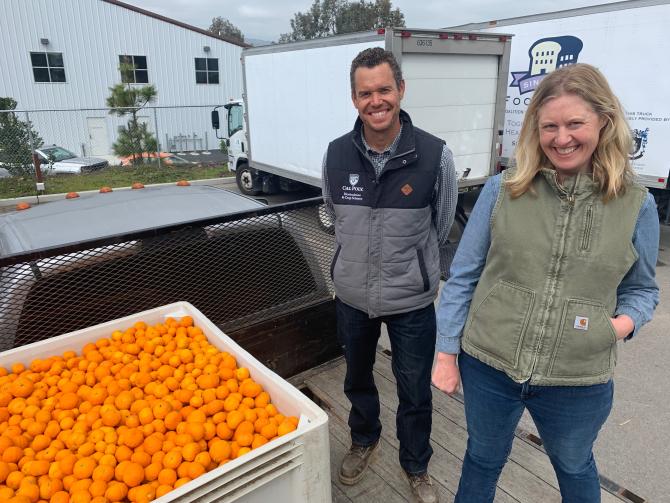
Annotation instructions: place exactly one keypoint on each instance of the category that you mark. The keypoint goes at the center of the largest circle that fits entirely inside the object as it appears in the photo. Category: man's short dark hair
(375, 56)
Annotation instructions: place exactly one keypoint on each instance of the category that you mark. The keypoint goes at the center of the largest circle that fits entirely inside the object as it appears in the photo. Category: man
(391, 189)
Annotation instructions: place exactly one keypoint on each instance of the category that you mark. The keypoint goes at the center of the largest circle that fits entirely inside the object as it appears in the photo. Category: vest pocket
(332, 264)
(497, 326)
(422, 268)
(588, 226)
(586, 341)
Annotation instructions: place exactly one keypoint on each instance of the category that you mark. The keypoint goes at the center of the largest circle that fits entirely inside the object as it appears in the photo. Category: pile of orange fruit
(130, 418)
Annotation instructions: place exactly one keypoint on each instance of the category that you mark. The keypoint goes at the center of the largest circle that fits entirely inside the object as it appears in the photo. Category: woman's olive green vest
(542, 307)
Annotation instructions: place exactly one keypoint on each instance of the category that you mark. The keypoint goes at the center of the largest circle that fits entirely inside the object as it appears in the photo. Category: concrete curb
(225, 182)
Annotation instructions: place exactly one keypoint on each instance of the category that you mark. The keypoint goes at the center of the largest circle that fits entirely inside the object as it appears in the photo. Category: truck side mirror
(227, 140)
(215, 119)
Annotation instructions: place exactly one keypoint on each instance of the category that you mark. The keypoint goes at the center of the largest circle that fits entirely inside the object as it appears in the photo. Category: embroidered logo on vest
(407, 189)
(353, 178)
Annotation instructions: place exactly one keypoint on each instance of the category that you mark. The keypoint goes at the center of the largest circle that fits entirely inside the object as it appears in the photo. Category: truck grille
(94, 167)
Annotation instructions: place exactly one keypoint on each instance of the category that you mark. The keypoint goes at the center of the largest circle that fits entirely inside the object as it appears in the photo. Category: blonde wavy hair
(611, 168)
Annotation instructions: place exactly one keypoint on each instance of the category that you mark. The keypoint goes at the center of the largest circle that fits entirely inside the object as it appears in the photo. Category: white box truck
(628, 41)
(297, 98)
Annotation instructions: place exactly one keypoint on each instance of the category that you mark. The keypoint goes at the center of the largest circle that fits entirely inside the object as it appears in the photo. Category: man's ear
(401, 89)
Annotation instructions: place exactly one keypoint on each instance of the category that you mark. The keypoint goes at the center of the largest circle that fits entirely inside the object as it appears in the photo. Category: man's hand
(446, 376)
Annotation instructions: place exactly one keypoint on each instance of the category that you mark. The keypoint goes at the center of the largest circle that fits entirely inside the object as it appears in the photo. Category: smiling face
(377, 99)
(569, 132)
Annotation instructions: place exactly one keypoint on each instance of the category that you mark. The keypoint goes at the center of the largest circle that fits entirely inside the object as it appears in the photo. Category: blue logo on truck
(640, 137)
(546, 55)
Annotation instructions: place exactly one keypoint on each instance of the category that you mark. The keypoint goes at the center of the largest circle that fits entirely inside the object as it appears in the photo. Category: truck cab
(237, 134)
(249, 180)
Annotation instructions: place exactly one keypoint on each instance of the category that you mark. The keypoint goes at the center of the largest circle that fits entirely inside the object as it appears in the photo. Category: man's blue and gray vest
(387, 259)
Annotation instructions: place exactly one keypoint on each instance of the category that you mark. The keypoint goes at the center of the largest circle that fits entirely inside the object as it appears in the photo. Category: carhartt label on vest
(581, 323)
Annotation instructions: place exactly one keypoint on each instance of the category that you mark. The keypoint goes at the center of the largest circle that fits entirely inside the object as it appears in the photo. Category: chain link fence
(239, 270)
(82, 149)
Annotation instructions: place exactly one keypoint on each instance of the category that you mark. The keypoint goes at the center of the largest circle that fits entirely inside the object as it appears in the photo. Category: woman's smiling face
(569, 133)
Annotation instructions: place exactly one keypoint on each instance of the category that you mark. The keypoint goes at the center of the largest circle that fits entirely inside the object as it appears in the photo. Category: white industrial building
(63, 55)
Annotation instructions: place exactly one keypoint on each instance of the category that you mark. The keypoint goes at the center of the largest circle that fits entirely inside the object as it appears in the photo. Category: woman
(557, 264)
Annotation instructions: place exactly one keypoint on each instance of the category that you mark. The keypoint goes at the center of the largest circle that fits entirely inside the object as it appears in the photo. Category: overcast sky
(267, 19)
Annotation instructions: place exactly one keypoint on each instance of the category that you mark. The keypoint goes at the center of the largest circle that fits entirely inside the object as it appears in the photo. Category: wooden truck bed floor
(527, 478)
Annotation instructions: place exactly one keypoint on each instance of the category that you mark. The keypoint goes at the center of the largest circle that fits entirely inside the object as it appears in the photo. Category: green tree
(17, 139)
(362, 16)
(135, 137)
(336, 17)
(221, 27)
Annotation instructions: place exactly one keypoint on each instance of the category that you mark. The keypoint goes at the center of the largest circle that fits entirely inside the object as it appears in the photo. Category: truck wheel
(325, 221)
(247, 180)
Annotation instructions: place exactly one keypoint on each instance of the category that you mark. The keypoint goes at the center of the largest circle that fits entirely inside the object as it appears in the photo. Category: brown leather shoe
(355, 462)
(423, 489)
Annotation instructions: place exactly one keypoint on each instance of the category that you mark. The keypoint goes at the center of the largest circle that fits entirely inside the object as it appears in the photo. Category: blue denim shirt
(637, 294)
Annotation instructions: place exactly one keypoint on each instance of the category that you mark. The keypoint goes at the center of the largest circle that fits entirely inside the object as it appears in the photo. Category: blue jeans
(568, 419)
(412, 337)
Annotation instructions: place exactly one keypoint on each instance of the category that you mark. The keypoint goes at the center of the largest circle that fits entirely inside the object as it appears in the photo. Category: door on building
(97, 133)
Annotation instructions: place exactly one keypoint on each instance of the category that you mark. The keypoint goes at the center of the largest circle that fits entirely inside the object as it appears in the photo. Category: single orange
(103, 472)
(172, 459)
(219, 450)
(162, 490)
(133, 475)
(22, 387)
(116, 491)
(84, 467)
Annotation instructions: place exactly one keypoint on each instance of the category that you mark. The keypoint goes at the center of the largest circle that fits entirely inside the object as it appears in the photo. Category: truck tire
(247, 180)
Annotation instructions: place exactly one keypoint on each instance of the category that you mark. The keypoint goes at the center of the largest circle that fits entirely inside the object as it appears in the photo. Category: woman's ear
(604, 119)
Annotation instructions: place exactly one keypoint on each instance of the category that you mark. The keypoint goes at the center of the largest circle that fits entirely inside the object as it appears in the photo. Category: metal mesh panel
(237, 272)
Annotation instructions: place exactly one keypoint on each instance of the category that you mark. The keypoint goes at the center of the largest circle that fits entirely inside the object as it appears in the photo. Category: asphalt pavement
(633, 448)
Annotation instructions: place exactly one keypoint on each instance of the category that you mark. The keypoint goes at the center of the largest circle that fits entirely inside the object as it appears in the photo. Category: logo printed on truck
(640, 137)
(546, 55)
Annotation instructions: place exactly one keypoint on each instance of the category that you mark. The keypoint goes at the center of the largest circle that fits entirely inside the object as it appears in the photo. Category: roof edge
(175, 22)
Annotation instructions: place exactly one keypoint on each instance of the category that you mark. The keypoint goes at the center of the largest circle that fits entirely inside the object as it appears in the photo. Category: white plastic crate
(293, 468)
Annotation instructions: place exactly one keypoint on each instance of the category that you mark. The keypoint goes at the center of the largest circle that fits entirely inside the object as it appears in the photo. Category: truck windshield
(57, 154)
(235, 119)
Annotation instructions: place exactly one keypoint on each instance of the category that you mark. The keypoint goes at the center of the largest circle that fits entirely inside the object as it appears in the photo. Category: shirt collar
(388, 150)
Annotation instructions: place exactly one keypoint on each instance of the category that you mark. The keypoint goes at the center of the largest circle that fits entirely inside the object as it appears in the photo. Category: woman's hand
(446, 376)
(623, 326)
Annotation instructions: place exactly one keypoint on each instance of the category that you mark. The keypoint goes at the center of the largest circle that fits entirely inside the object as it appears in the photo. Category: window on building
(48, 66)
(206, 71)
(134, 69)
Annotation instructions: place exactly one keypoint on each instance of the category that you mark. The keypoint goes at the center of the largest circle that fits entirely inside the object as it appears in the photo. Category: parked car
(165, 157)
(57, 159)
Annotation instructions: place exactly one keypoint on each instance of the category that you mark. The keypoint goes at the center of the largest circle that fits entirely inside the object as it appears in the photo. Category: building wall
(91, 34)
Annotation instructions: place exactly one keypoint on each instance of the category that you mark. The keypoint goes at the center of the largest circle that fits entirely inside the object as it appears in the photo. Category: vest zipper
(332, 264)
(570, 198)
(424, 272)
